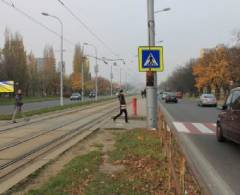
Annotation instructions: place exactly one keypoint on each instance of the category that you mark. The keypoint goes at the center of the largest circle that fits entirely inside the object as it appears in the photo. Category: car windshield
(172, 94)
(75, 94)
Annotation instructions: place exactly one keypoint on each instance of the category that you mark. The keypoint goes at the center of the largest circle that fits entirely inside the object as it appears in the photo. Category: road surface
(220, 161)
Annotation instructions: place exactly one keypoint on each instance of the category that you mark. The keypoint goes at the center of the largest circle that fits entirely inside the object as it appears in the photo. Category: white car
(76, 96)
(164, 95)
(207, 100)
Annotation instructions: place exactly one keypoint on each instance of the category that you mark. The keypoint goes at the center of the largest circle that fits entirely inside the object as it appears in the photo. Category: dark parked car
(171, 97)
(75, 96)
(228, 123)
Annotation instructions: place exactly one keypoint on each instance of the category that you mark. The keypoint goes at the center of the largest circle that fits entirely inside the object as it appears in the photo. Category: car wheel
(219, 134)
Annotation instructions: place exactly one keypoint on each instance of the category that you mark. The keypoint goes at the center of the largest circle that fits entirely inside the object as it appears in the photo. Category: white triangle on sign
(150, 61)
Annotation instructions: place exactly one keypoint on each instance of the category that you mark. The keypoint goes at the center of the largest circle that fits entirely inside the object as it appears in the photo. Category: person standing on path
(18, 106)
(123, 106)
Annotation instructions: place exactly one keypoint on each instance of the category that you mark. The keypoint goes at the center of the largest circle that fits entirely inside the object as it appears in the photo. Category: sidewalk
(138, 121)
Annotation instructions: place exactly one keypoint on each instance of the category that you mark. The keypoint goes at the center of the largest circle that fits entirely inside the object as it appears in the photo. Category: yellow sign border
(154, 48)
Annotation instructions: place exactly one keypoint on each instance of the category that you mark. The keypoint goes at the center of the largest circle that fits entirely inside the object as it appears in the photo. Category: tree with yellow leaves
(212, 70)
(76, 81)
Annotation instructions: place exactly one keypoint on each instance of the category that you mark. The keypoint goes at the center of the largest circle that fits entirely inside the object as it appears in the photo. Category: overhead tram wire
(132, 76)
(87, 27)
(35, 20)
(11, 5)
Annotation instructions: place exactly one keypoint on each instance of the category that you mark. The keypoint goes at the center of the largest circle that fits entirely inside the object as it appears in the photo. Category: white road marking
(201, 127)
(181, 127)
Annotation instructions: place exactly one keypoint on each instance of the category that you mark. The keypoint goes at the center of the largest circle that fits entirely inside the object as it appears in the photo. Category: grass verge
(72, 179)
(138, 151)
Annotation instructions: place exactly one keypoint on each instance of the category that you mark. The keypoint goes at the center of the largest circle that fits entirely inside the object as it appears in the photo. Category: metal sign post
(151, 77)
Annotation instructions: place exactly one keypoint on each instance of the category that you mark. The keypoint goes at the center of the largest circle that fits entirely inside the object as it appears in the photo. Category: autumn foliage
(217, 70)
(212, 70)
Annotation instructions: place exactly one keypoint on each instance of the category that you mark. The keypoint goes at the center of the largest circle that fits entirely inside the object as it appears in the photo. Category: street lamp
(106, 60)
(120, 73)
(61, 55)
(151, 77)
(163, 10)
(95, 69)
(161, 41)
(111, 75)
(82, 70)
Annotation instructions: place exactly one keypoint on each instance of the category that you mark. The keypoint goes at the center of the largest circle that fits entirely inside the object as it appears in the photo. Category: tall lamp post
(105, 60)
(82, 70)
(95, 69)
(162, 10)
(61, 55)
(151, 77)
(111, 76)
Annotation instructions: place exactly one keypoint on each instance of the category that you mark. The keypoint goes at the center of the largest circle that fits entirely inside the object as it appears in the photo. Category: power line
(11, 4)
(86, 27)
(93, 34)
(103, 59)
(34, 20)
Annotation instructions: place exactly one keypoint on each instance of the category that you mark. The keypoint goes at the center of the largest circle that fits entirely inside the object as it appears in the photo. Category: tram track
(43, 132)
(7, 169)
(52, 116)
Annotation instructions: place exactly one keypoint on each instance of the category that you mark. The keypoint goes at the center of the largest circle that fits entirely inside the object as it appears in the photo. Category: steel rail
(41, 133)
(61, 139)
(55, 116)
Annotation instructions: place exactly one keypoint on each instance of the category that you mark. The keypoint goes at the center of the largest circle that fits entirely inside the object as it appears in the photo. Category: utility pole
(151, 77)
(126, 81)
(61, 54)
(120, 79)
(111, 77)
(96, 81)
(95, 69)
(82, 70)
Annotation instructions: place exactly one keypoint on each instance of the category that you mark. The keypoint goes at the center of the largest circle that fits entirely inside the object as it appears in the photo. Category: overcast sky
(122, 25)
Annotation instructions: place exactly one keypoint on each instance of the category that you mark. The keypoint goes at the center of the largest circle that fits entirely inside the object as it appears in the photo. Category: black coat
(121, 98)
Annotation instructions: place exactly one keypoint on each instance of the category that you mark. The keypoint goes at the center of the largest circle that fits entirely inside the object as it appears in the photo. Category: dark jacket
(122, 100)
(18, 100)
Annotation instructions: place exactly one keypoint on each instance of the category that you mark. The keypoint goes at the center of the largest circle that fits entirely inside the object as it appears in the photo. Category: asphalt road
(219, 163)
(8, 109)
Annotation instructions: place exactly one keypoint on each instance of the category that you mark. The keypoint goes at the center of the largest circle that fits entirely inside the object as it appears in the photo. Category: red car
(179, 94)
(228, 123)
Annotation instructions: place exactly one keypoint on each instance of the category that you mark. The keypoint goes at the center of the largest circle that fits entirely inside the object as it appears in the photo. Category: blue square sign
(150, 59)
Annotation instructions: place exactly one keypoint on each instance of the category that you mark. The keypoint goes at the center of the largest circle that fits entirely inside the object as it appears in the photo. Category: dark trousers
(122, 111)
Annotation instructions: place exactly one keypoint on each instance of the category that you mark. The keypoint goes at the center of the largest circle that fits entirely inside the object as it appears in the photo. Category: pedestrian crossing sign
(150, 59)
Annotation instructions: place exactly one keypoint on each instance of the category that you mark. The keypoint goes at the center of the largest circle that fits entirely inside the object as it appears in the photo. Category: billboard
(6, 86)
